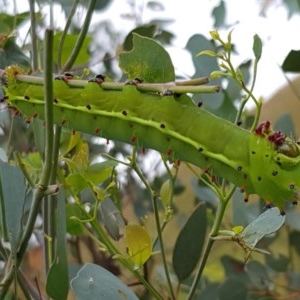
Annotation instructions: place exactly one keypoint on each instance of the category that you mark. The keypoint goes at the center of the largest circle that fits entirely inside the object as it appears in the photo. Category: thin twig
(68, 65)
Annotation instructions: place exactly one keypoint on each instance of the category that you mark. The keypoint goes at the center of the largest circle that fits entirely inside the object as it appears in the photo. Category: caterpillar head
(274, 165)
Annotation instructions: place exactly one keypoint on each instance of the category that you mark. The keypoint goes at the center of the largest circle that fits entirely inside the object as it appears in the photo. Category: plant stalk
(68, 65)
(44, 181)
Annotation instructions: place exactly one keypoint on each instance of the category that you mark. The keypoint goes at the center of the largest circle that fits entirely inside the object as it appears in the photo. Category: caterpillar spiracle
(263, 162)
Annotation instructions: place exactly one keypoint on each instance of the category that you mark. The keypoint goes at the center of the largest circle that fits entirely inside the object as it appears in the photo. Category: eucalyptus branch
(178, 87)
(64, 33)
(50, 204)
(210, 241)
(3, 222)
(44, 181)
(68, 65)
(154, 198)
(34, 39)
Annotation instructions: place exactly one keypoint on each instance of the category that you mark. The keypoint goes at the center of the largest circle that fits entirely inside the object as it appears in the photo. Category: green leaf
(292, 6)
(285, 124)
(68, 47)
(232, 288)
(77, 181)
(147, 60)
(205, 65)
(11, 54)
(219, 14)
(268, 222)
(94, 282)
(112, 218)
(100, 4)
(14, 199)
(278, 263)
(144, 30)
(155, 5)
(166, 192)
(8, 23)
(189, 244)
(208, 52)
(258, 275)
(257, 47)
(292, 62)
(99, 172)
(138, 243)
(39, 135)
(74, 226)
(234, 268)
(69, 140)
(57, 285)
(294, 240)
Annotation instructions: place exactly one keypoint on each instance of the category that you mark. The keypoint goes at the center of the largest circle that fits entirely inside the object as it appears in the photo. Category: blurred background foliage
(226, 276)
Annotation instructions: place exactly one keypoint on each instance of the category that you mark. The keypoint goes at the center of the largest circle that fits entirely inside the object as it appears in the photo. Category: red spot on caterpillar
(26, 97)
(88, 106)
(169, 151)
(133, 139)
(277, 138)
(16, 112)
(63, 122)
(177, 163)
(263, 128)
(206, 170)
(97, 130)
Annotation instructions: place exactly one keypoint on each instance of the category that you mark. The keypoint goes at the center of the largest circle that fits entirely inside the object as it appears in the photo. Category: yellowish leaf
(138, 243)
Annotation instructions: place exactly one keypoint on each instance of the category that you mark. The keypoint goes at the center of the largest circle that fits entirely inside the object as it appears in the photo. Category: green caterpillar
(264, 162)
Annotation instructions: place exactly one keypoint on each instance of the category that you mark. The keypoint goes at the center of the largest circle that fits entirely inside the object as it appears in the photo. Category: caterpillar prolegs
(264, 162)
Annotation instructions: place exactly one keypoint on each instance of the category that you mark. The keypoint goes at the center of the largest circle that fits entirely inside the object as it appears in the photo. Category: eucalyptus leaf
(147, 60)
(268, 222)
(189, 244)
(95, 282)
